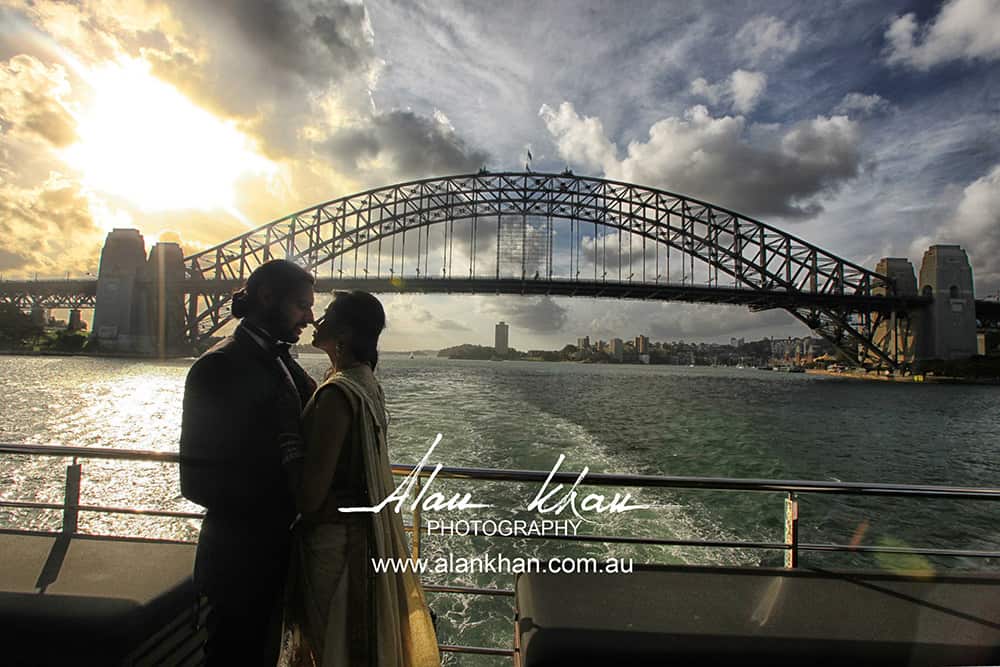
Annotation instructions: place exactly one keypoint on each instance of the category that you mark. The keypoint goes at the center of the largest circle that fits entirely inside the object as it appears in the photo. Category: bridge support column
(948, 326)
(39, 316)
(76, 322)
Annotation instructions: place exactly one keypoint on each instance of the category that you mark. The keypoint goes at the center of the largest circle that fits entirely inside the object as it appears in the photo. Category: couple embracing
(261, 444)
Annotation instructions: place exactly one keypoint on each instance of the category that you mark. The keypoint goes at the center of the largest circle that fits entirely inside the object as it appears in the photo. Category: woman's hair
(361, 314)
(280, 275)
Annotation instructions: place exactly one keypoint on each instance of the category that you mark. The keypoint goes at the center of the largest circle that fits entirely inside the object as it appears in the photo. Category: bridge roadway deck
(987, 310)
(588, 288)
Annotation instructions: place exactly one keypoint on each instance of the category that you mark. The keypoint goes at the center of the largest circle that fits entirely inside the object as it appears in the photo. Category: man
(242, 401)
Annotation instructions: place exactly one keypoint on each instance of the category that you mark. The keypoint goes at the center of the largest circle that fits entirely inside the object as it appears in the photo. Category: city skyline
(595, 342)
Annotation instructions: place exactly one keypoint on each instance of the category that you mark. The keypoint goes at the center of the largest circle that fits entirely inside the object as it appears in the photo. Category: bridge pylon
(896, 334)
(140, 301)
(118, 320)
(948, 326)
(944, 326)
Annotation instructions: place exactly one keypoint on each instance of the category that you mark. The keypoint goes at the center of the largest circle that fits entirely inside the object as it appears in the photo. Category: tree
(15, 326)
(569, 352)
(69, 341)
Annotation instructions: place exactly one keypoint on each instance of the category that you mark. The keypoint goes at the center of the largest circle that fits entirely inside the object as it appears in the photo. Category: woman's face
(327, 334)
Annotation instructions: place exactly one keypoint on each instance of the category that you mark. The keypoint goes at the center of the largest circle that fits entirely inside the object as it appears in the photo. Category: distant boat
(789, 368)
(411, 355)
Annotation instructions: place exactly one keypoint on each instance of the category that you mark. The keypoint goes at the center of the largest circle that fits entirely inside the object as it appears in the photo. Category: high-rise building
(500, 338)
(616, 349)
(641, 345)
(583, 343)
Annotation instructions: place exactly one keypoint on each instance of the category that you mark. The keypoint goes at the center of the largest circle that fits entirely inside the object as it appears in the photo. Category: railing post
(792, 530)
(415, 550)
(71, 501)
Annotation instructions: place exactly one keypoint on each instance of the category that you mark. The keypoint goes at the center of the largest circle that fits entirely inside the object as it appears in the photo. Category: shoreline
(904, 379)
(97, 355)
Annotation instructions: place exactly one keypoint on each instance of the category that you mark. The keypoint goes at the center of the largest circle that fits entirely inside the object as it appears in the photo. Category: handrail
(592, 479)
(91, 452)
(791, 546)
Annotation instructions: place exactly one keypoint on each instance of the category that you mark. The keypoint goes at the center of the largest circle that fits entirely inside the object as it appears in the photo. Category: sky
(871, 129)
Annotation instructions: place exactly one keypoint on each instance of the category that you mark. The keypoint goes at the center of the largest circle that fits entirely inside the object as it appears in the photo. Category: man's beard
(275, 325)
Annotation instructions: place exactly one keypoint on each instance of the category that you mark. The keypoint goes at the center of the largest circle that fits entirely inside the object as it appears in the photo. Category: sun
(144, 141)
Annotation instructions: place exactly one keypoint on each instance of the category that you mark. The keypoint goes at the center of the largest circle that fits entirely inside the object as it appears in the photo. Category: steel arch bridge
(559, 234)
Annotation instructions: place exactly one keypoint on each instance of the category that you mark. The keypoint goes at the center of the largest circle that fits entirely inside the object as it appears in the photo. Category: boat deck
(97, 601)
(690, 615)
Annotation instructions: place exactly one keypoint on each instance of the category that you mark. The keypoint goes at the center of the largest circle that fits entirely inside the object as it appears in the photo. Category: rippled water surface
(629, 419)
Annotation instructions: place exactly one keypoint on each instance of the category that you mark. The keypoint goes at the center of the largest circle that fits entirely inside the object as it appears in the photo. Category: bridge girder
(70, 294)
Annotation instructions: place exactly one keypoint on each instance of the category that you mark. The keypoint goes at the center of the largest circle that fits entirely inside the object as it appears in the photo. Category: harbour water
(627, 419)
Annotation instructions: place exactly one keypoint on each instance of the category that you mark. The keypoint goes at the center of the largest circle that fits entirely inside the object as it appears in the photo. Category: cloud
(11, 260)
(279, 68)
(741, 91)
(535, 314)
(673, 321)
(404, 144)
(702, 321)
(49, 228)
(452, 325)
(33, 101)
(301, 78)
(713, 92)
(766, 37)
(975, 225)
(763, 173)
(962, 30)
(404, 308)
(581, 140)
(862, 105)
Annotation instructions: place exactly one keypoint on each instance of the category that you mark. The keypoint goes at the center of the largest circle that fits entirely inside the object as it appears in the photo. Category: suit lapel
(271, 362)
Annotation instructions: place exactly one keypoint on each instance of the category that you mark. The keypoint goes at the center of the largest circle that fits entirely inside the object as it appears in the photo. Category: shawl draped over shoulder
(404, 631)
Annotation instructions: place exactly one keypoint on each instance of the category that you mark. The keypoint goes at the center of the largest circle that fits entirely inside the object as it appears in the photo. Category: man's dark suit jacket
(237, 400)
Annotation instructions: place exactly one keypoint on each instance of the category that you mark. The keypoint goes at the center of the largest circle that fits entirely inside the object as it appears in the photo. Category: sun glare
(144, 141)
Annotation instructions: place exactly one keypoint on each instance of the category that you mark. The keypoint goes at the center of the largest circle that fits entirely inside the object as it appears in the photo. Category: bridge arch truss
(537, 233)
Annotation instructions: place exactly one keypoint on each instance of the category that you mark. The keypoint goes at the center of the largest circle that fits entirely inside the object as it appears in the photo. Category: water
(628, 419)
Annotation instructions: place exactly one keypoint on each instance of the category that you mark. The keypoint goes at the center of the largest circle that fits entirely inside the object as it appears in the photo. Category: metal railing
(791, 546)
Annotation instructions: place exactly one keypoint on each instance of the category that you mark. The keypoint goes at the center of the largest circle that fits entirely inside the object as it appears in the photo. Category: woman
(347, 614)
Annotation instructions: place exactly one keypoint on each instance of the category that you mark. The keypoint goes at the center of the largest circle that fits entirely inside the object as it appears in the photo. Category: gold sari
(333, 565)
